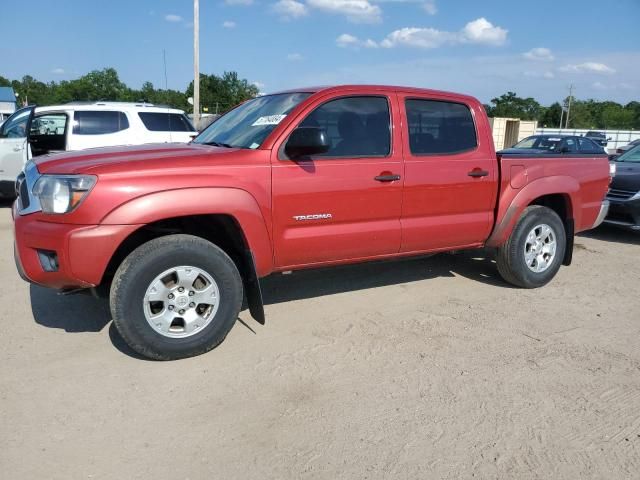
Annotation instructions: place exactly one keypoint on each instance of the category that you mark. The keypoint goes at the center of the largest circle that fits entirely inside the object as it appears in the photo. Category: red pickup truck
(181, 234)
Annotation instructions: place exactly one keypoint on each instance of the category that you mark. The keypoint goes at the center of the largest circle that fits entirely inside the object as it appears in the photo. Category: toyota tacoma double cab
(179, 236)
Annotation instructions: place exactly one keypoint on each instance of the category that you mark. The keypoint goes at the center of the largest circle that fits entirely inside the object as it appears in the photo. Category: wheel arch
(229, 210)
(559, 193)
(222, 230)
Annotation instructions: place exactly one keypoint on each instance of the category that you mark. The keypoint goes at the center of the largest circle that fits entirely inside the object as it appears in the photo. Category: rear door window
(439, 128)
(587, 146)
(99, 122)
(166, 122)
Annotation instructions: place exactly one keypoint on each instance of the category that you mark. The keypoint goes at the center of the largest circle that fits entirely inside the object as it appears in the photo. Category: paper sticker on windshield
(268, 120)
(555, 139)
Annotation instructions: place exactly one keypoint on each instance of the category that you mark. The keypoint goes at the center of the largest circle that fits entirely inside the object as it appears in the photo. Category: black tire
(510, 257)
(143, 265)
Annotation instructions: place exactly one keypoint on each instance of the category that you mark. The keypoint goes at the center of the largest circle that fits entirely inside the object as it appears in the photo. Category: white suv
(76, 126)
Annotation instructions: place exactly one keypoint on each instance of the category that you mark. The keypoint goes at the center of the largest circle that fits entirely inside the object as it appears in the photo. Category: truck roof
(374, 88)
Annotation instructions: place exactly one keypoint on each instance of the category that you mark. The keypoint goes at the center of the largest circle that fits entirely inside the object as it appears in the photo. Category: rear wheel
(533, 253)
(176, 296)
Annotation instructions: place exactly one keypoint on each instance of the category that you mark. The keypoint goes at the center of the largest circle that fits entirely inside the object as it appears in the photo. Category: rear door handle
(387, 178)
(476, 172)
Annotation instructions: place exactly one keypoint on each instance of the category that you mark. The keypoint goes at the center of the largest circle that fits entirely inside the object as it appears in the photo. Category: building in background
(509, 131)
(7, 102)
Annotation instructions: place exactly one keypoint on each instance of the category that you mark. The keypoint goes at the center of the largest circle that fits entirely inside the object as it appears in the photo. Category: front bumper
(83, 251)
(624, 213)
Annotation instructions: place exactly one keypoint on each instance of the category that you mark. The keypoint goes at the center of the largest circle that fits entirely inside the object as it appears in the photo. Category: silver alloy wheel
(540, 248)
(181, 301)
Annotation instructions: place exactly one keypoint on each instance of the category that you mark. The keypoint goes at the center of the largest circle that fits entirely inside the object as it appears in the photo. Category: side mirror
(564, 149)
(306, 141)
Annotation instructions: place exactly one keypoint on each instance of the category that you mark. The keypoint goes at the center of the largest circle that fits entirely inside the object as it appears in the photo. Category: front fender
(234, 202)
(514, 201)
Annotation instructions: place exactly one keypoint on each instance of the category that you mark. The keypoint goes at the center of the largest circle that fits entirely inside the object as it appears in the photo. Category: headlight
(62, 193)
(612, 169)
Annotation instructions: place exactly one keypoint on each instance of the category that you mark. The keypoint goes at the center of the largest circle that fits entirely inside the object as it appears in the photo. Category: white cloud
(588, 67)
(430, 7)
(349, 41)
(295, 57)
(289, 9)
(170, 17)
(418, 37)
(58, 71)
(484, 32)
(259, 85)
(534, 74)
(239, 2)
(540, 53)
(356, 11)
(229, 24)
(479, 31)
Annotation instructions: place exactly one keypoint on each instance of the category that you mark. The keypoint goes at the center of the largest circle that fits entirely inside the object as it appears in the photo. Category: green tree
(550, 117)
(618, 117)
(511, 106)
(222, 93)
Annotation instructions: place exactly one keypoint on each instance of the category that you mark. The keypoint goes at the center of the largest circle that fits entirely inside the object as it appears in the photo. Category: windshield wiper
(219, 144)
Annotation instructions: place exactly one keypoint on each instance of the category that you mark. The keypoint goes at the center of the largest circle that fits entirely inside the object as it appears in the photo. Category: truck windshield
(247, 125)
(632, 155)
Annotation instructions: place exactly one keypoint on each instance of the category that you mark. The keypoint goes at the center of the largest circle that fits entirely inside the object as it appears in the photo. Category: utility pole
(196, 63)
(566, 124)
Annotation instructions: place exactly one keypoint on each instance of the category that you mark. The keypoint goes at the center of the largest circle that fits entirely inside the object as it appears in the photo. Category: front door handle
(17, 149)
(387, 178)
(476, 172)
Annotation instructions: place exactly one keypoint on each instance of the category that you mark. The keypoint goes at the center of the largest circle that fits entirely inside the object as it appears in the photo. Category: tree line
(217, 93)
(589, 114)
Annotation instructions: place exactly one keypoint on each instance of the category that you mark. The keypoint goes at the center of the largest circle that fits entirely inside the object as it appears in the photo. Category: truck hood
(130, 158)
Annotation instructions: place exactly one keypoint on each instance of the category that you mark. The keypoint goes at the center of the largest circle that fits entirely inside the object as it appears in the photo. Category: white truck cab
(33, 131)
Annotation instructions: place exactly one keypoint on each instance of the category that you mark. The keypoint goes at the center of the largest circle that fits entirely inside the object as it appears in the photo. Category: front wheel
(533, 253)
(176, 296)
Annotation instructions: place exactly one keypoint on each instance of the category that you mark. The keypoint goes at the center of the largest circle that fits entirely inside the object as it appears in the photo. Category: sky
(479, 47)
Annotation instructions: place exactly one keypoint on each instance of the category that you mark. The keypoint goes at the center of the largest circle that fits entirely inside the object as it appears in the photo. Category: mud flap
(252, 287)
(569, 229)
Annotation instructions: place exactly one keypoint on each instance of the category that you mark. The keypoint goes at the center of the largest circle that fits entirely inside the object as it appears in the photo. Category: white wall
(618, 137)
(7, 107)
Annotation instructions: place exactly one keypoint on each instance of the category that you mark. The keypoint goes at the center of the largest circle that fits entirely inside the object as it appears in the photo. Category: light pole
(566, 123)
(196, 63)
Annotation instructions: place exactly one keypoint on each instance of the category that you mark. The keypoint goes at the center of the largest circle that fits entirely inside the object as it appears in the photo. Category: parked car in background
(624, 193)
(34, 131)
(179, 235)
(598, 137)
(554, 144)
(628, 146)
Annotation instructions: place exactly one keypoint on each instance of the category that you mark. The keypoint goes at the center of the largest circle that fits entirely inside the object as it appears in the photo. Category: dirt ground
(416, 369)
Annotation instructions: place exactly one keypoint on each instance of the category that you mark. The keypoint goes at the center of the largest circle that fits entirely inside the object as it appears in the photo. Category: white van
(76, 126)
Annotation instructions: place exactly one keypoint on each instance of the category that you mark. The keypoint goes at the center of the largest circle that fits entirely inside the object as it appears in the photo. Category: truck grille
(619, 194)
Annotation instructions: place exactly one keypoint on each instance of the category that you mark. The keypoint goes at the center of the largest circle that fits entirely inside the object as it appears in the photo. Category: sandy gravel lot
(418, 369)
